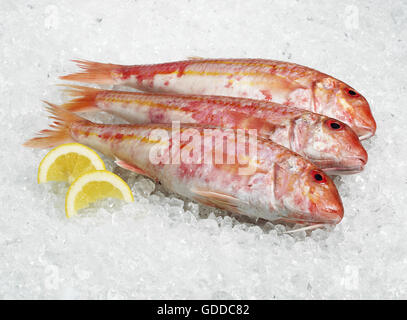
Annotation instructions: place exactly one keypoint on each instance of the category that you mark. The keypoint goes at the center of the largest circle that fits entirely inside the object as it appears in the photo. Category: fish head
(329, 143)
(340, 101)
(308, 195)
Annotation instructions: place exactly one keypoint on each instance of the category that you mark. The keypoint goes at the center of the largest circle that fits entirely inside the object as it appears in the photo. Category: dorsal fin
(195, 58)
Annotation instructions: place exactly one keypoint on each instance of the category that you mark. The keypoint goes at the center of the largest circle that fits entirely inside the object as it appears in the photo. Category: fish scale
(277, 81)
(281, 184)
(337, 151)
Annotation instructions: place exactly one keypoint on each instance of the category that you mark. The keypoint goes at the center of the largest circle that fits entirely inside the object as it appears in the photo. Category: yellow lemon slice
(67, 162)
(93, 186)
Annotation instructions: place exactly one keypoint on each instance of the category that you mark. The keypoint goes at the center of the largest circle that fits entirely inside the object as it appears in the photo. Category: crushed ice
(162, 246)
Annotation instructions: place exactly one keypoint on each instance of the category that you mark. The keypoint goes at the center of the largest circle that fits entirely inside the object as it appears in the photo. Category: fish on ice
(327, 142)
(277, 81)
(271, 182)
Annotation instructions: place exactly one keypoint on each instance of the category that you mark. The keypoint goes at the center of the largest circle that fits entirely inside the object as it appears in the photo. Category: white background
(159, 246)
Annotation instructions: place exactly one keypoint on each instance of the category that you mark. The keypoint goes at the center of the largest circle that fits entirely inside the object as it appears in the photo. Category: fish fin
(94, 72)
(85, 98)
(132, 168)
(306, 228)
(218, 199)
(281, 181)
(195, 58)
(60, 129)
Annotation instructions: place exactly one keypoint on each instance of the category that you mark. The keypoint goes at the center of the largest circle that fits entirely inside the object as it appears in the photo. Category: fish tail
(85, 98)
(94, 72)
(59, 132)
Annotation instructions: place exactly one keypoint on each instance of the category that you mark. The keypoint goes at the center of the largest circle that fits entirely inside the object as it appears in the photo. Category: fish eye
(318, 176)
(334, 125)
(352, 92)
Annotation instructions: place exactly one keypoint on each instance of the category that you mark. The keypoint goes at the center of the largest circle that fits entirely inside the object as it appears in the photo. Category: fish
(271, 183)
(330, 144)
(286, 83)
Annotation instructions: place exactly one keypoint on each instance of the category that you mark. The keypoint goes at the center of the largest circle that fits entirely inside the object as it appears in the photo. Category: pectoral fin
(132, 168)
(218, 199)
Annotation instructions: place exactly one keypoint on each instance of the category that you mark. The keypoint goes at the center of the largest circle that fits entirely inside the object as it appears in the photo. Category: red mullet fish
(281, 82)
(282, 186)
(327, 142)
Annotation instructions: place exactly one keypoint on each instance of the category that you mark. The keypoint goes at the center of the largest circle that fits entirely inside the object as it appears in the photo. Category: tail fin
(60, 129)
(85, 101)
(95, 72)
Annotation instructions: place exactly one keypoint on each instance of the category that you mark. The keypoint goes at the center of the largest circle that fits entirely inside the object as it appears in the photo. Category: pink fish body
(283, 185)
(281, 82)
(327, 142)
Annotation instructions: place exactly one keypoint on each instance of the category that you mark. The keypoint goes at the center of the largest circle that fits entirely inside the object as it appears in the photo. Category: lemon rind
(62, 149)
(91, 176)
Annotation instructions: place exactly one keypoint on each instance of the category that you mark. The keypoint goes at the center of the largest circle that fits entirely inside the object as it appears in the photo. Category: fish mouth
(366, 136)
(349, 165)
(311, 224)
(330, 221)
(329, 217)
(366, 131)
(334, 171)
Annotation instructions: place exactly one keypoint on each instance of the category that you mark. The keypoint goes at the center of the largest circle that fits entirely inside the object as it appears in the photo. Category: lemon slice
(93, 186)
(67, 162)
